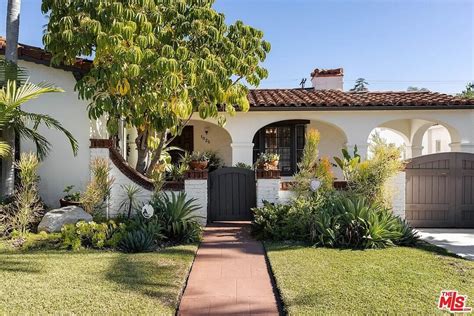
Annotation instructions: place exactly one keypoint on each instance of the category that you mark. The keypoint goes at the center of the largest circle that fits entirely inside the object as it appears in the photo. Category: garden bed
(396, 280)
(93, 282)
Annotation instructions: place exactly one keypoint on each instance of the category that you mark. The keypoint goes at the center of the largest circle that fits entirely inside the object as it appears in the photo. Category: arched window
(285, 138)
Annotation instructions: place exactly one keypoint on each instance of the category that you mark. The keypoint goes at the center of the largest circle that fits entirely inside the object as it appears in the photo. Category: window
(286, 139)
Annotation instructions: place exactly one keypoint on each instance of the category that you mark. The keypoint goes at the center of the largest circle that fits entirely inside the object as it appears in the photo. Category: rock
(54, 220)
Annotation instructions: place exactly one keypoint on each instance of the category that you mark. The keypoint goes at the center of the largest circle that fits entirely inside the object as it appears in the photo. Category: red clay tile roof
(296, 99)
(310, 99)
(40, 56)
(327, 72)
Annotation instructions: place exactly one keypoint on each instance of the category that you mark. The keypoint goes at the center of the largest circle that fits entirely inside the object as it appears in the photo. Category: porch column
(462, 147)
(242, 152)
(413, 151)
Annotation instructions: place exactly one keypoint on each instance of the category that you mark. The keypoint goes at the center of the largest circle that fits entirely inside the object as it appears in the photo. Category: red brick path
(229, 275)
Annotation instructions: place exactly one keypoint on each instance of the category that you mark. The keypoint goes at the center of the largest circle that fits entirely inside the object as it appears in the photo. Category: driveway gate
(440, 190)
(232, 193)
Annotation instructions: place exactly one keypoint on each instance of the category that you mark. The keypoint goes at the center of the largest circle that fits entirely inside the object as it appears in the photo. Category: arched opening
(391, 136)
(197, 135)
(436, 139)
(287, 138)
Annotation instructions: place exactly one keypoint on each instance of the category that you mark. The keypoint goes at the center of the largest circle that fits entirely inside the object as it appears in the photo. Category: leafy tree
(360, 85)
(414, 89)
(468, 92)
(26, 124)
(156, 62)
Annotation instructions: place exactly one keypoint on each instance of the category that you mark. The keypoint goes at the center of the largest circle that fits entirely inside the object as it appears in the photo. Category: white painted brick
(396, 186)
(197, 189)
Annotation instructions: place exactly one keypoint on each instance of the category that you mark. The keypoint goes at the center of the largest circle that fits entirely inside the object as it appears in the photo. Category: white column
(242, 152)
(267, 190)
(413, 151)
(197, 189)
(462, 147)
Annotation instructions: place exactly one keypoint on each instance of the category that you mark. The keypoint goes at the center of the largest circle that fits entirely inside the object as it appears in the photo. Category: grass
(387, 281)
(92, 282)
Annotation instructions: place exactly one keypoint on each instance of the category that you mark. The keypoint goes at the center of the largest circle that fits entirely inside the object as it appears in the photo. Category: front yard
(93, 282)
(389, 281)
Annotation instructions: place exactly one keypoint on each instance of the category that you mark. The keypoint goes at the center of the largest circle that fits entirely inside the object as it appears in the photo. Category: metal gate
(232, 193)
(440, 190)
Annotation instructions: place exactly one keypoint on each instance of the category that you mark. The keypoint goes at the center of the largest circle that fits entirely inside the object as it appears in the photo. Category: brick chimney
(328, 79)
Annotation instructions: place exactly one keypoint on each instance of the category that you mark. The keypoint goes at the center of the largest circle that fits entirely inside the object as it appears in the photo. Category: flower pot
(273, 163)
(64, 203)
(198, 165)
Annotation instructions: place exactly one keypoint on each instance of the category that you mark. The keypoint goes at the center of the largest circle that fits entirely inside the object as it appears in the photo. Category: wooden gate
(440, 190)
(232, 193)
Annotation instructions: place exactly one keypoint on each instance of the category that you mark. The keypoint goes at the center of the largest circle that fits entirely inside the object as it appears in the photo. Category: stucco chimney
(328, 79)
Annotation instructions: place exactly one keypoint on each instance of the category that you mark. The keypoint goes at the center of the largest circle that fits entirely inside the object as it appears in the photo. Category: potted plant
(70, 197)
(198, 161)
(268, 161)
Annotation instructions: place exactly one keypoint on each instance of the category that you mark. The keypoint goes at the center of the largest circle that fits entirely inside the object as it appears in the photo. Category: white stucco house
(276, 122)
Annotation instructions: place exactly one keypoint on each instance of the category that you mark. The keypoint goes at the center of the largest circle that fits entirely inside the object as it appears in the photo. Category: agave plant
(25, 124)
(137, 241)
(178, 215)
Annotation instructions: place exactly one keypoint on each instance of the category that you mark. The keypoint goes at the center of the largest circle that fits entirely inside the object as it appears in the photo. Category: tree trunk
(156, 155)
(13, 29)
(142, 150)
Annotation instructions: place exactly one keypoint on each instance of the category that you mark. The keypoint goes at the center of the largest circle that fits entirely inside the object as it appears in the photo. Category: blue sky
(393, 44)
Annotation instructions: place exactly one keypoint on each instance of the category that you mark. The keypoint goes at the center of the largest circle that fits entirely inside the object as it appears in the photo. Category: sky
(392, 44)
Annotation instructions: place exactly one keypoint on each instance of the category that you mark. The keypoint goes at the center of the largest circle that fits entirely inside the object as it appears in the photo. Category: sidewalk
(229, 275)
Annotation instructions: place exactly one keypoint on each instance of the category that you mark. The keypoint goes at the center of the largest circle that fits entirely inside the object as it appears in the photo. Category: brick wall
(197, 189)
(396, 187)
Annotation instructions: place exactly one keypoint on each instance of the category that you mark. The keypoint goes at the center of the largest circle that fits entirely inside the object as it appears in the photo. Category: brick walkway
(229, 275)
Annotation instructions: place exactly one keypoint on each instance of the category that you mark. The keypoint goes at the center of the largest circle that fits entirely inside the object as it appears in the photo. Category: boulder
(54, 220)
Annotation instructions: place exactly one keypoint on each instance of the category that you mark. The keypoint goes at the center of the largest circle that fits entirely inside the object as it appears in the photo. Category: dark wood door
(439, 190)
(232, 193)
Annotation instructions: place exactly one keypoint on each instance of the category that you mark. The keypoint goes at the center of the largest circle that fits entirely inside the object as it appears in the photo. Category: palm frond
(5, 149)
(51, 123)
(11, 71)
(13, 96)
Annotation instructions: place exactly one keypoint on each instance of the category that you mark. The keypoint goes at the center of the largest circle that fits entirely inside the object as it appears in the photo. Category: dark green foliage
(137, 241)
(215, 161)
(178, 216)
(333, 221)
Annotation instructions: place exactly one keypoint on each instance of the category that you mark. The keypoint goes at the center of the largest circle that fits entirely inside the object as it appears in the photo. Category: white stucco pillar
(242, 152)
(462, 147)
(413, 151)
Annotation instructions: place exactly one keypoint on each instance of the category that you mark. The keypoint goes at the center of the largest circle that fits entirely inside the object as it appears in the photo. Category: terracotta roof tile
(332, 99)
(278, 99)
(40, 56)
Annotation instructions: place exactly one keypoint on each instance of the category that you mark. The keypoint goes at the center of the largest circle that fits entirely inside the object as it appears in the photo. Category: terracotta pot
(64, 203)
(198, 165)
(273, 163)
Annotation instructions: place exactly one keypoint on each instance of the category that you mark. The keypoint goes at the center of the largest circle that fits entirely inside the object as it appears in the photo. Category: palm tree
(26, 124)
(13, 30)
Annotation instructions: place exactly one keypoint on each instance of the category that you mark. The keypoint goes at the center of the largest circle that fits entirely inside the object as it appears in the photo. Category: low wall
(123, 175)
(271, 188)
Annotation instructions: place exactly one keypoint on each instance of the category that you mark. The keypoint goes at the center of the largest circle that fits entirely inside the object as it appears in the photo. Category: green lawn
(93, 282)
(395, 280)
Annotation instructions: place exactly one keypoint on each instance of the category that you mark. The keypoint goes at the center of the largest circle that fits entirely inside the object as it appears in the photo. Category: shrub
(369, 178)
(178, 215)
(137, 241)
(215, 161)
(92, 235)
(243, 165)
(98, 190)
(335, 220)
(25, 207)
(130, 201)
(311, 167)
